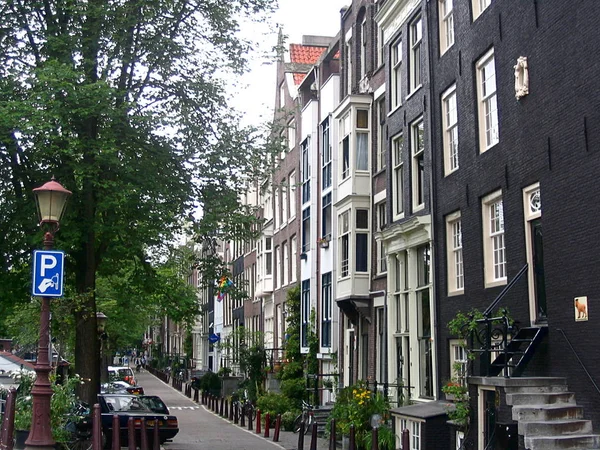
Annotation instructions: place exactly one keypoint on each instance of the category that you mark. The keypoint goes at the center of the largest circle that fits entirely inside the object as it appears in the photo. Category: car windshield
(154, 403)
(125, 404)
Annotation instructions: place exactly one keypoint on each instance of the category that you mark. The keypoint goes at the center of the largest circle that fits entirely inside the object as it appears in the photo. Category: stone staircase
(548, 416)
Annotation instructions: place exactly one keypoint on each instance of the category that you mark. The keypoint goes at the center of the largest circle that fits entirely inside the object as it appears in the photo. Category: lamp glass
(101, 320)
(51, 200)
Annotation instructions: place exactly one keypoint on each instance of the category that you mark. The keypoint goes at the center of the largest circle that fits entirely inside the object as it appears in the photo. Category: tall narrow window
(450, 124)
(285, 265)
(398, 181)
(292, 186)
(305, 312)
(344, 233)
(305, 230)
(293, 257)
(487, 102)
(396, 74)
(291, 129)
(418, 164)
(349, 67)
(325, 155)
(479, 6)
(381, 223)
(416, 39)
(277, 265)
(282, 95)
(268, 257)
(362, 139)
(455, 254)
(424, 317)
(345, 130)
(381, 139)
(277, 214)
(494, 249)
(379, 54)
(284, 203)
(446, 13)
(326, 217)
(362, 240)
(363, 48)
(326, 307)
(305, 148)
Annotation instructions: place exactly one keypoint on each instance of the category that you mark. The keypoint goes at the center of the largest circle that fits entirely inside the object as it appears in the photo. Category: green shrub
(274, 404)
(210, 382)
(294, 389)
(287, 420)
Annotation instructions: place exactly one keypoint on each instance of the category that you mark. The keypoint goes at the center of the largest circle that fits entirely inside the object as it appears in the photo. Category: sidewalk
(287, 439)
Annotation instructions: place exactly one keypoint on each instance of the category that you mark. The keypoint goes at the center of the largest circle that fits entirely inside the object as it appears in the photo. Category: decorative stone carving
(521, 78)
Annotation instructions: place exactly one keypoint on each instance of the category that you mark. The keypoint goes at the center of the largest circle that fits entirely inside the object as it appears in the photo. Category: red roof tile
(305, 54)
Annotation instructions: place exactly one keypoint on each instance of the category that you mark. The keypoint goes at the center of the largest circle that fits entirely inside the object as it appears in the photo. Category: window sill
(488, 148)
(418, 208)
(394, 109)
(456, 293)
(496, 283)
(414, 91)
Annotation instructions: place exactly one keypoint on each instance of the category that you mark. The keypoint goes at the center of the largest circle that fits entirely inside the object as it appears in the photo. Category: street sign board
(48, 267)
(214, 338)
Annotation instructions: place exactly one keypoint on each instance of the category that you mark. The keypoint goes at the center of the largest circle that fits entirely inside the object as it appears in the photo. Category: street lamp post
(51, 200)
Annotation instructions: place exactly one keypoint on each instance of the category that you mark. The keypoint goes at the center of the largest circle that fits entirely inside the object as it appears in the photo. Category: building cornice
(392, 15)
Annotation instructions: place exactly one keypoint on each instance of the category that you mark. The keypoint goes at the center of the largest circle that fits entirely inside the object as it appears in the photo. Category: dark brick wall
(550, 136)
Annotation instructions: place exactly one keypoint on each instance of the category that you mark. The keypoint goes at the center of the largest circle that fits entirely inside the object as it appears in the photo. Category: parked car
(121, 373)
(120, 387)
(142, 408)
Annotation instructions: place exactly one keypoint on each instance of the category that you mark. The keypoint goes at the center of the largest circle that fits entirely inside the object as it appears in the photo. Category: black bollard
(144, 437)
(332, 436)
(313, 436)
(301, 435)
(156, 437)
(352, 440)
(267, 424)
(116, 437)
(131, 434)
(375, 439)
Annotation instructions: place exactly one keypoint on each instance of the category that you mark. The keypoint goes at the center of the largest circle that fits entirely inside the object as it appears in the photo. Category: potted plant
(323, 242)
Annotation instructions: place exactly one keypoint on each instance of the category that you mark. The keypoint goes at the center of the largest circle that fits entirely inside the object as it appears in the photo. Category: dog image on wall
(581, 308)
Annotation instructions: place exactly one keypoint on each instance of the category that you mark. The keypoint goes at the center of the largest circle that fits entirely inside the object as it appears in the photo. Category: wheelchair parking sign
(48, 268)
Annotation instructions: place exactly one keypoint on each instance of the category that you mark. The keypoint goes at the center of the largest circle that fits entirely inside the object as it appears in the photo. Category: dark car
(150, 409)
(120, 387)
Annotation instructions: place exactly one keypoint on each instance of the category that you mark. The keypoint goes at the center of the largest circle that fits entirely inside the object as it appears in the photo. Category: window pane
(362, 151)
(361, 252)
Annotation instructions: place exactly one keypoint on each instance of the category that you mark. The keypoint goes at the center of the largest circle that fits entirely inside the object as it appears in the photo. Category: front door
(538, 270)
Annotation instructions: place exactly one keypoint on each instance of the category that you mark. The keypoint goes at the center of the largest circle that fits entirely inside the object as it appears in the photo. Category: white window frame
(458, 356)
(398, 177)
(294, 260)
(282, 94)
(284, 202)
(446, 15)
(268, 254)
(277, 267)
(381, 140)
(416, 59)
(291, 134)
(454, 254)
(286, 264)
(345, 163)
(487, 102)
(362, 131)
(381, 209)
(326, 155)
(292, 186)
(494, 244)
(277, 215)
(396, 75)
(417, 172)
(532, 209)
(380, 40)
(479, 6)
(349, 67)
(345, 237)
(450, 130)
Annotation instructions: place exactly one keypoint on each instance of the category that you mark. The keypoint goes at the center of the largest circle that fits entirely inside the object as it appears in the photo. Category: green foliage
(354, 406)
(287, 420)
(224, 371)
(293, 318)
(274, 404)
(122, 102)
(210, 382)
(61, 404)
(294, 389)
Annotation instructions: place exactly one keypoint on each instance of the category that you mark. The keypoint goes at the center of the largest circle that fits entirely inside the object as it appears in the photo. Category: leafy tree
(120, 100)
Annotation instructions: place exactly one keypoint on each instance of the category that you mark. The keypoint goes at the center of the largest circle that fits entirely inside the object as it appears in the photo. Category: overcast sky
(256, 91)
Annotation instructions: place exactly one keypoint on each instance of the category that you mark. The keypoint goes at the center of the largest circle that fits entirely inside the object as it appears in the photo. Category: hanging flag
(223, 286)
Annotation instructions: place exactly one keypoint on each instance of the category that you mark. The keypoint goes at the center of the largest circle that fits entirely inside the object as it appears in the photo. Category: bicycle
(246, 407)
(305, 416)
(79, 428)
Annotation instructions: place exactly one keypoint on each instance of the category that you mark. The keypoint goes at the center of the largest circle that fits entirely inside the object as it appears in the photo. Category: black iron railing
(491, 336)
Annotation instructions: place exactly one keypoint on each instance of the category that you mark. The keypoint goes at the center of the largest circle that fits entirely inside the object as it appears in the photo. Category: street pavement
(200, 428)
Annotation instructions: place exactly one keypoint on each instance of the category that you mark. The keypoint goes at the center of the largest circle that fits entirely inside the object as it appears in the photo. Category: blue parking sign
(48, 268)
